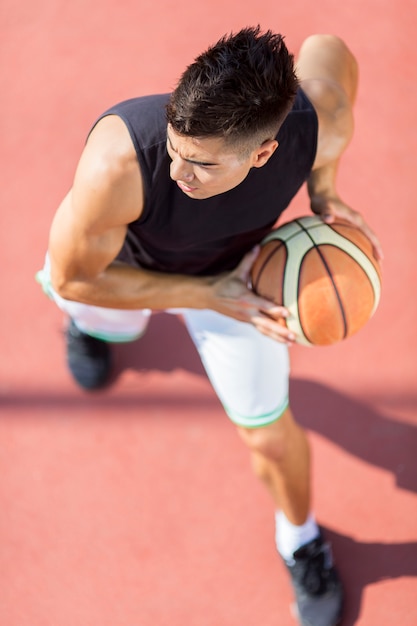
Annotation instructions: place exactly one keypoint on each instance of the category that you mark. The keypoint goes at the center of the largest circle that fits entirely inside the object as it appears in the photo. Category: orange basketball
(324, 274)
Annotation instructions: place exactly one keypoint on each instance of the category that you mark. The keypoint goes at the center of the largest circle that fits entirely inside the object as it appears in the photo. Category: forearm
(121, 286)
(321, 184)
(124, 287)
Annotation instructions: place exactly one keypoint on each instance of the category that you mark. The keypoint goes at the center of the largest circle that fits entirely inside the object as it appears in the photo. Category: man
(171, 195)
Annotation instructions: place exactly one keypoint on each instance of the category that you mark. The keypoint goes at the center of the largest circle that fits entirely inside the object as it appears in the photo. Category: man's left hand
(331, 209)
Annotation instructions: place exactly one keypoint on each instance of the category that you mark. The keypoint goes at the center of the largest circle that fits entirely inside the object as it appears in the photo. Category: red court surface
(136, 506)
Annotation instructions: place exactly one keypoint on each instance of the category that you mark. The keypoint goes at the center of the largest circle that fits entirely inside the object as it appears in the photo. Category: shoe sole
(295, 614)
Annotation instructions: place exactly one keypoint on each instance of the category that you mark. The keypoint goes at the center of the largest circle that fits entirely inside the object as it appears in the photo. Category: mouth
(186, 188)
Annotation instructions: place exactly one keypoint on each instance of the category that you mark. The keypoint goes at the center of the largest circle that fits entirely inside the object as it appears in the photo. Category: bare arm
(89, 229)
(328, 73)
(90, 226)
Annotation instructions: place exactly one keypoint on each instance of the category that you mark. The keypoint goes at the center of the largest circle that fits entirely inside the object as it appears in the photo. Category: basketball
(324, 274)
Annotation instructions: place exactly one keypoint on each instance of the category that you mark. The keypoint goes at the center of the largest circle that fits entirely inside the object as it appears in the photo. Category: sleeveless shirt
(178, 234)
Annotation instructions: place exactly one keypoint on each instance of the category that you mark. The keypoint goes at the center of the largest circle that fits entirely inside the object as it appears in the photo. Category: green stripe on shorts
(44, 281)
(113, 337)
(259, 420)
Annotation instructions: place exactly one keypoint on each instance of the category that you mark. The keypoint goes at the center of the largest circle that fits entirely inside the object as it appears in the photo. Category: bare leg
(281, 458)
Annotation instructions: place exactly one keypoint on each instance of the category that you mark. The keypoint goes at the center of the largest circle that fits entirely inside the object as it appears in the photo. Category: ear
(262, 154)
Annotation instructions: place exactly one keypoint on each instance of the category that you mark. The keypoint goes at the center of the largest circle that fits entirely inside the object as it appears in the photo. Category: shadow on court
(366, 563)
(383, 441)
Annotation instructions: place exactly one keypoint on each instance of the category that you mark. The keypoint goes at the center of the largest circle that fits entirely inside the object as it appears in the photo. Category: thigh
(248, 371)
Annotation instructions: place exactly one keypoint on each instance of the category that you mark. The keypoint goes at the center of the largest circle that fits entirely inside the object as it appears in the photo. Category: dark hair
(240, 89)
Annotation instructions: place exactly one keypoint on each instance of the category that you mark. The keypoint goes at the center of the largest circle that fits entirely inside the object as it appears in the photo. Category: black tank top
(179, 234)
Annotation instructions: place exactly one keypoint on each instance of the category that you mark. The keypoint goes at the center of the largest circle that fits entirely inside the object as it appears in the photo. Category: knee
(263, 445)
(269, 443)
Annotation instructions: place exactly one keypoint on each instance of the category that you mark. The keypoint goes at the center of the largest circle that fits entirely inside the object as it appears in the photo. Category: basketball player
(171, 196)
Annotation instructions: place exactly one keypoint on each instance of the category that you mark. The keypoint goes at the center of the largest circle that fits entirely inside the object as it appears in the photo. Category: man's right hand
(230, 295)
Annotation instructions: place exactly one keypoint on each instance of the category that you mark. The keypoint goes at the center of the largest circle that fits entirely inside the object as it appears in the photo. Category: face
(206, 167)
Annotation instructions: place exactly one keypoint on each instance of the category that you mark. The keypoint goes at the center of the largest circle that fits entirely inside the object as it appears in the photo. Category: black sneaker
(88, 358)
(317, 587)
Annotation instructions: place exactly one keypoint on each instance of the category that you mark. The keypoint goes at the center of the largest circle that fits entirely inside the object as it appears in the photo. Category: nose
(181, 170)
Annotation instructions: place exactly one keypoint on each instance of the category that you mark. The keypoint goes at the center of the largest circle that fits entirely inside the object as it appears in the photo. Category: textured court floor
(136, 506)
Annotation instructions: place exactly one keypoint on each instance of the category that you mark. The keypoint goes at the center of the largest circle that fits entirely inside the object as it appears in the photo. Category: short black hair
(240, 89)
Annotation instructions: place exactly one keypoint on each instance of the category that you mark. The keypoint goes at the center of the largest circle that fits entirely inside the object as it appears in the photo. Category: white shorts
(248, 371)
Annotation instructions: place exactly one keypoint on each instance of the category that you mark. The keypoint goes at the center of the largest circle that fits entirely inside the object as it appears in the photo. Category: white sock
(289, 537)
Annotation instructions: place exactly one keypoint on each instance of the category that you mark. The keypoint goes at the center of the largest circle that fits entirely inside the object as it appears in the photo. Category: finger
(262, 305)
(273, 311)
(340, 211)
(367, 230)
(355, 218)
(274, 329)
(328, 218)
(376, 246)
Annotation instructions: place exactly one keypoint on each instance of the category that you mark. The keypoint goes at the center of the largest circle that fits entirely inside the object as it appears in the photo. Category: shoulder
(108, 174)
(145, 119)
(109, 148)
